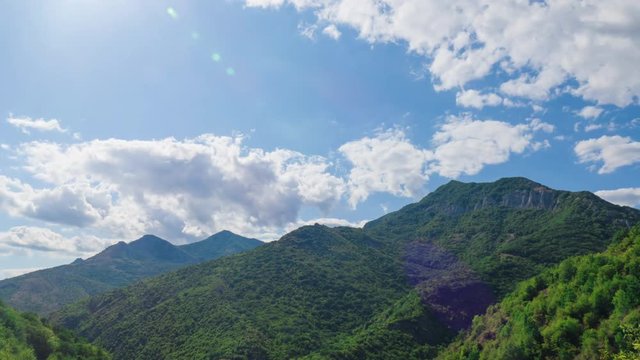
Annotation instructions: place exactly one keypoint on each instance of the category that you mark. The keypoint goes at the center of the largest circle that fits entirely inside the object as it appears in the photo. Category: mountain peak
(219, 244)
(512, 192)
(148, 247)
(149, 239)
(516, 182)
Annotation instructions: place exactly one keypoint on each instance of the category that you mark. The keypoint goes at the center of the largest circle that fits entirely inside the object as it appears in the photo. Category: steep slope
(405, 284)
(588, 307)
(25, 337)
(281, 300)
(47, 290)
(507, 230)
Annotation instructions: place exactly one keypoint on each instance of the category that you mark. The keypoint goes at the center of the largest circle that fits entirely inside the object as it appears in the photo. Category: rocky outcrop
(449, 288)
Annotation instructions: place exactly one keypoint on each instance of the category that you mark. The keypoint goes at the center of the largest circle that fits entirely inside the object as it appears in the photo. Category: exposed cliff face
(515, 193)
(453, 292)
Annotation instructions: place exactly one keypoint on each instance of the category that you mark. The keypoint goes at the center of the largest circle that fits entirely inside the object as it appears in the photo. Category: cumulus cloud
(586, 48)
(188, 189)
(623, 196)
(176, 188)
(21, 239)
(332, 32)
(387, 162)
(464, 145)
(473, 98)
(590, 112)
(26, 124)
(612, 152)
(390, 163)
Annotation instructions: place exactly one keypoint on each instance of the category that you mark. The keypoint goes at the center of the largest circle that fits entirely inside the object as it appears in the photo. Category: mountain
(26, 337)
(587, 307)
(221, 244)
(401, 287)
(279, 300)
(47, 290)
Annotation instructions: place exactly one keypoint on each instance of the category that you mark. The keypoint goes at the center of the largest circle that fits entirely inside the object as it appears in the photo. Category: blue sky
(186, 118)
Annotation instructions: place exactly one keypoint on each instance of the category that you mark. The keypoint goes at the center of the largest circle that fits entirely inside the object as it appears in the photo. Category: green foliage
(26, 337)
(588, 307)
(282, 300)
(405, 330)
(509, 230)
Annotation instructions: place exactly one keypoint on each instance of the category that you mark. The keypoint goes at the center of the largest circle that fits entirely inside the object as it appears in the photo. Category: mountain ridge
(288, 298)
(120, 264)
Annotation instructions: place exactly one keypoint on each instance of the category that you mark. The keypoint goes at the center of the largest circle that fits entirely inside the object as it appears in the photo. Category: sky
(184, 118)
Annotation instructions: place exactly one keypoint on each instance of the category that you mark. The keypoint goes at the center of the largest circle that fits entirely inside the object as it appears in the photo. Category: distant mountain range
(47, 290)
(400, 288)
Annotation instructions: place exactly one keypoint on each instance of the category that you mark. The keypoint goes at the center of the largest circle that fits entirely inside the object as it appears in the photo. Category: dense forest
(26, 337)
(587, 307)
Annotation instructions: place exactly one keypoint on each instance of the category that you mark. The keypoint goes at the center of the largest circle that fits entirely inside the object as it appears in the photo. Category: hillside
(588, 307)
(47, 290)
(507, 230)
(25, 337)
(281, 300)
(221, 244)
(400, 287)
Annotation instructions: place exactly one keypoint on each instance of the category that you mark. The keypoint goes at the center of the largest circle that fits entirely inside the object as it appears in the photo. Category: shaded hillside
(401, 287)
(588, 307)
(25, 337)
(47, 290)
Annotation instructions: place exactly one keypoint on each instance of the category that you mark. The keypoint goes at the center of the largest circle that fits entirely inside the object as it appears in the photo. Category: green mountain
(587, 307)
(47, 290)
(26, 337)
(399, 288)
(221, 244)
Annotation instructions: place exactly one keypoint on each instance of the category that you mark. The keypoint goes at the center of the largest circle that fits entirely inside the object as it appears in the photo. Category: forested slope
(400, 287)
(587, 307)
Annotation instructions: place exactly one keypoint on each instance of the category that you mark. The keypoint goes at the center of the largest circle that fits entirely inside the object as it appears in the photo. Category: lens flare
(172, 12)
(230, 71)
(216, 57)
(195, 35)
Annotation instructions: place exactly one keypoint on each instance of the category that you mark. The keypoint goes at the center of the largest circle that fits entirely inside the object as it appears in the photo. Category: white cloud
(590, 112)
(308, 30)
(390, 163)
(332, 32)
(175, 188)
(473, 98)
(28, 239)
(612, 151)
(623, 196)
(592, 127)
(26, 124)
(187, 189)
(591, 46)
(538, 125)
(387, 162)
(464, 145)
